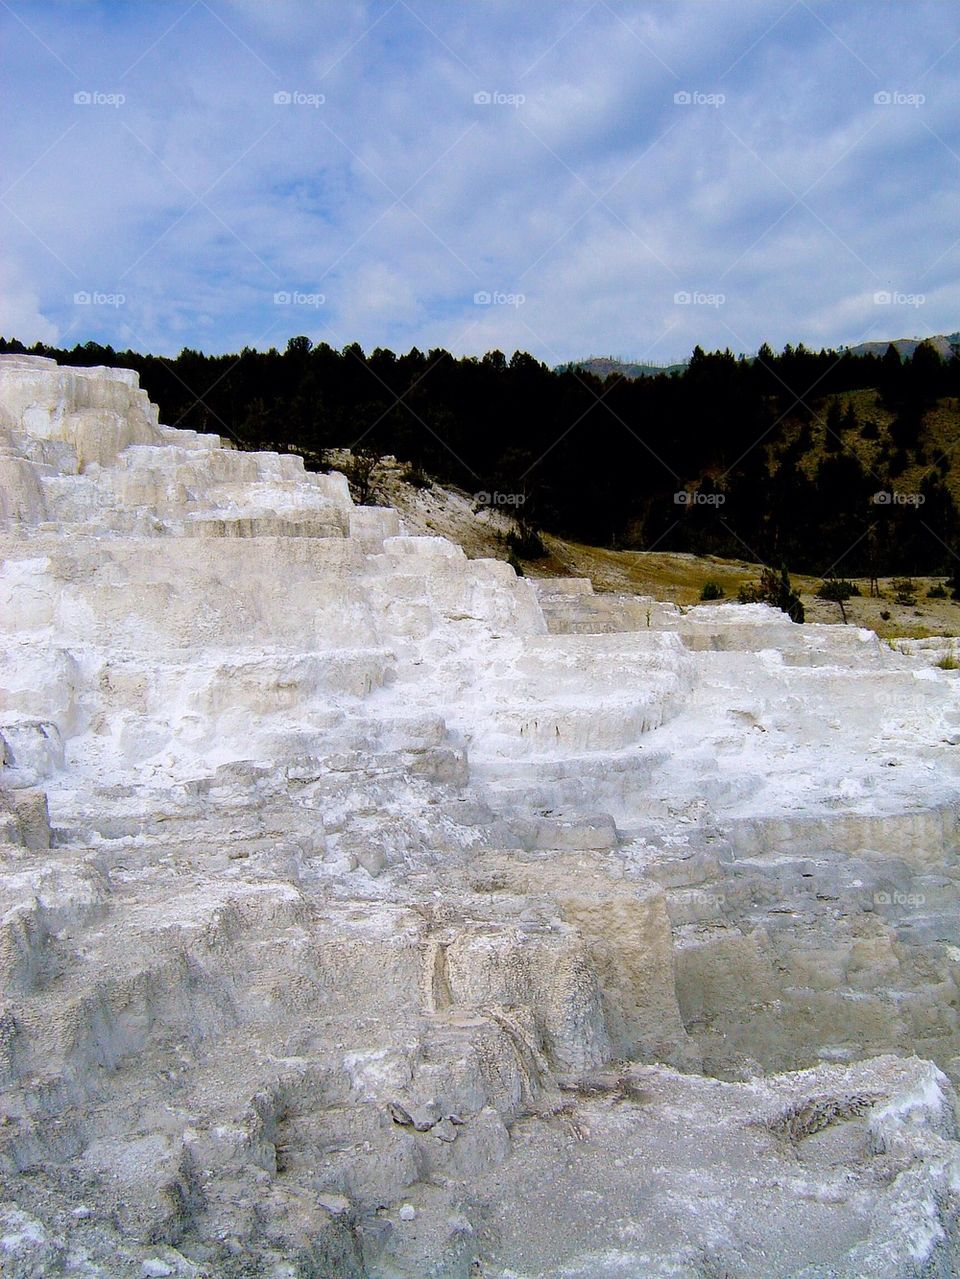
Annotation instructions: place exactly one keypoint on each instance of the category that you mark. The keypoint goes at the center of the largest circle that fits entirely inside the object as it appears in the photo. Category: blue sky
(569, 179)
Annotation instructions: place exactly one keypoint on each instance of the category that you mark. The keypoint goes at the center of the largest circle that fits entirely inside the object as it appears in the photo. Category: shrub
(885, 615)
(361, 471)
(526, 544)
(898, 463)
(712, 591)
(773, 588)
(949, 663)
(416, 477)
(837, 588)
(938, 592)
(905, 591)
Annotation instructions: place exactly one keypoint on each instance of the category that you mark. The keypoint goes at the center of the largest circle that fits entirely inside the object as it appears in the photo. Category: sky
(569, 179)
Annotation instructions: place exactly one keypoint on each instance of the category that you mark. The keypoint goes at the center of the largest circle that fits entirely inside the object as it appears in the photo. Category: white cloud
(494, 196)
(20, 313)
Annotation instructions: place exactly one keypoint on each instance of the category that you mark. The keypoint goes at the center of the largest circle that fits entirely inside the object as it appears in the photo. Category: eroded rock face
(367, 911)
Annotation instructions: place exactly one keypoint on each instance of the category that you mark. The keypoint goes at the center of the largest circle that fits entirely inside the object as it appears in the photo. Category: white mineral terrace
(371, 912)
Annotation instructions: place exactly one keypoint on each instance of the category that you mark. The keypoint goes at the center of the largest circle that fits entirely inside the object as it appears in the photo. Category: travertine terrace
(368, 911)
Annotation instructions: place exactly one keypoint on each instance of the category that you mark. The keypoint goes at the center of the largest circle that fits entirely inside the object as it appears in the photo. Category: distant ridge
(603, 365)
(947, 344)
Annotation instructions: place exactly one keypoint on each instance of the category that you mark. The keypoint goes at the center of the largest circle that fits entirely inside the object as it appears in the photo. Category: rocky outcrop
(367, 911)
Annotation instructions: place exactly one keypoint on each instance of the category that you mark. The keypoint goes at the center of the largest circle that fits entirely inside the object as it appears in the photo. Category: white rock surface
(342, 875)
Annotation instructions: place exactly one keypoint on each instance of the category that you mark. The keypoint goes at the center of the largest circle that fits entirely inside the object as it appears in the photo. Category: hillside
(944, 343)
(677, 577)
(777, 459)
(603, 366)
(889, 461)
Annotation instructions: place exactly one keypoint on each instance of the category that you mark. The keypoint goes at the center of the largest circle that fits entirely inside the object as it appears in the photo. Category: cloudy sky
(565, 178)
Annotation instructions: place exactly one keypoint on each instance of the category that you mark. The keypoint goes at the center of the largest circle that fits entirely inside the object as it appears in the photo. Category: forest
(833, 463)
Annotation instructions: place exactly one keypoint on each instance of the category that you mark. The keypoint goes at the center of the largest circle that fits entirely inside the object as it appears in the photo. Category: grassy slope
(665, 575)
(940, 437)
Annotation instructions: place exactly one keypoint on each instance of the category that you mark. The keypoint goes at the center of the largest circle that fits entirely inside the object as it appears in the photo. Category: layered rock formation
(371, 912)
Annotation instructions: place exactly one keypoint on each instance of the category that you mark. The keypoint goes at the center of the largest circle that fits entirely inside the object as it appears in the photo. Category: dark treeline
(716, 459)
